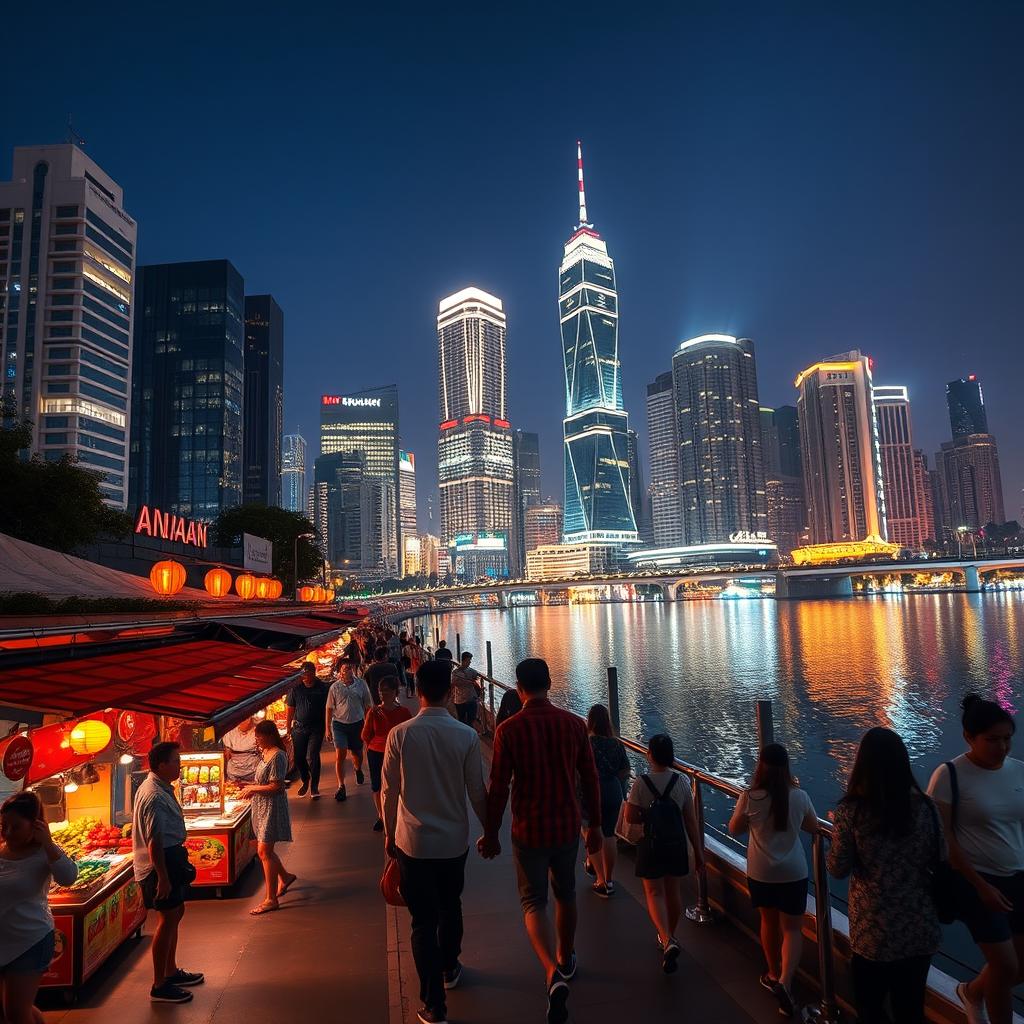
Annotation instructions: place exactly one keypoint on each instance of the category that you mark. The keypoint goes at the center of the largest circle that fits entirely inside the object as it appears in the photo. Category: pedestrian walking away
(443, 653)
(773, 811)
(661, 802)
(980, 796)
(431, 769)
(394, 646)
(163, 871)
(467, 689)
(348, 700)
(612, 776)
(29, 861)
(543, 754)
(378, 669)
(306, 704)
(888, 839)
(271, 821)
(379, 722)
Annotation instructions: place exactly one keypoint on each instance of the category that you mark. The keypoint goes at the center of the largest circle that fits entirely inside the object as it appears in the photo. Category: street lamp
(295, 558)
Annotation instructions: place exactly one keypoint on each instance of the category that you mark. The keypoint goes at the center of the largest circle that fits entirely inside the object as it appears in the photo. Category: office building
(293, 472)
(67, 269)
(367, 422)
(563, 561)
(966, 406)
(526, 492)
(637, 492)
(430, 552)
(407, 505)
(784, 495)
(263, 424)
(187, 381)
(841, 454)
(663, 449)
(721, 471)
(904, 495)
(474, 448)
(786, 435)
(970, 484)
(597, 505)
(924, 487)
(543, 526)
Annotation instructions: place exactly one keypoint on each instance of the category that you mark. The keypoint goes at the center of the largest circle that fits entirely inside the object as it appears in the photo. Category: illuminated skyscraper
(543, 526)
(407, 505)
(597, 505)
(526, 463)
(904, 485)
(663, 444)
(293, 472)
(966, 405)
(970, 483)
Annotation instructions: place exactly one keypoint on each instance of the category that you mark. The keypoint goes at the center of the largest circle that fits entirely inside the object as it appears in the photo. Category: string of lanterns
(168, 578)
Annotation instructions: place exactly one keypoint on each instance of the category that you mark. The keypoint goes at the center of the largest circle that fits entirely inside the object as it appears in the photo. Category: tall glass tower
(596, 427)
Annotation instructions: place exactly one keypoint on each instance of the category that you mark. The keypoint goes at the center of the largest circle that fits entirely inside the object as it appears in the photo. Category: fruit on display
(90, 871)
(74, 837)
(106, 837)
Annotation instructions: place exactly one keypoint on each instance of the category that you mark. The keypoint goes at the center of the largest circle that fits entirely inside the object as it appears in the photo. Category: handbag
(950, 890)
(390, 882)
(627, 831)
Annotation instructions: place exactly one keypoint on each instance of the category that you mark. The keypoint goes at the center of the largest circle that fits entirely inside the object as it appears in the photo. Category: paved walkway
(335, 952)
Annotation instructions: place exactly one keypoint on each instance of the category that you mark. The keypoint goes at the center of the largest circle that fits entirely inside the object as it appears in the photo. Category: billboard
(484, 540)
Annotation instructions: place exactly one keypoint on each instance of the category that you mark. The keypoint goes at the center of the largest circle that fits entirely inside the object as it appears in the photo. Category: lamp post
(295, 559)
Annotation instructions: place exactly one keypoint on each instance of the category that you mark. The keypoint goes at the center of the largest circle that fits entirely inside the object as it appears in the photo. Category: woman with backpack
(612, 776)
(660, 800)
(888, 839)
(773, 811)
(980, 796)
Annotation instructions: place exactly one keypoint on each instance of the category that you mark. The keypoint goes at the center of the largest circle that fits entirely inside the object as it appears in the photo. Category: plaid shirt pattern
(540, 752)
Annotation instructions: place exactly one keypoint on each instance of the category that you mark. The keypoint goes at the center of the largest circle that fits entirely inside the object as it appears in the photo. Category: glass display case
(201, 784)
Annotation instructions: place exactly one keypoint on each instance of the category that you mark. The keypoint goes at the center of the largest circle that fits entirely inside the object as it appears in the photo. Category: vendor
(240, 751)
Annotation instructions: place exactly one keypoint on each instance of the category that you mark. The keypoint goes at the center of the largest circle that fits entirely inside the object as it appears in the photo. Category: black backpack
(663, 822)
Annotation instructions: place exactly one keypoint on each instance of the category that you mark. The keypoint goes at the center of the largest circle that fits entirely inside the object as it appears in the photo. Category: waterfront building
(784, 492)
(187, 383)
(970, 483)
(748, 551)
(263, 426)
(474, 448)
(904, 494)
(293, 472)
(721, 469)
(430, 549)
(786, 429)
(407, 503)
(526, 492)
(966, 405)
(597, 505)
(367, 422)
(637, 492)
(923, 487)
(67, 268)
(563, 561)
(784, 499)
(479, 556)
(840, 450)
(663, 450)
(543, 526)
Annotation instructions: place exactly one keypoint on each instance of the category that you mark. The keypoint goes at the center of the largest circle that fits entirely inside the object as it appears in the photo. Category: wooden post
(765, 724)
(613, 696)
(458, 647)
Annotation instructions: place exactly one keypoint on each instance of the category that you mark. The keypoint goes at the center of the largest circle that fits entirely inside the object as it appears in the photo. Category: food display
(201, 784)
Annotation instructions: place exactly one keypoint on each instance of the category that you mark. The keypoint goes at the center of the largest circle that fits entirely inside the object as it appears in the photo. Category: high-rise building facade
(367, 422)
(966, 405)
(263, 426)
(597, 505)
(474, 448)
(187, 381)
(543, 526)
(841, 453)
(786, 429)
(526, 492)
(926, 508)
(904, 495)
(663, 446)
(637, 492)
(407, 504)
(293, 472)
(783, 482)
(970, 483)
(721, 469)
(67, 271)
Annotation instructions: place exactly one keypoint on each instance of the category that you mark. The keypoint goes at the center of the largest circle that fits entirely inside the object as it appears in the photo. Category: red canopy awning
(287, 625)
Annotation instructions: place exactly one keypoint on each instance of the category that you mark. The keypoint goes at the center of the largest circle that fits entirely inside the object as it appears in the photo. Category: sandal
(264, 908)
(287, 885)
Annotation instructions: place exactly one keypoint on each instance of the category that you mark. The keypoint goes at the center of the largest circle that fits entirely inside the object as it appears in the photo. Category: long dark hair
(24, 804)
(773, 776)
(267, 731)
(881, 783)
(599, 722)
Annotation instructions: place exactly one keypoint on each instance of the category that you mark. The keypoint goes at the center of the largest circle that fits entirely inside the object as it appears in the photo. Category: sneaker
(186, 979)
(425, 1016)
(558, 996)
(454, 976)
(568, 971)
(341, 796)
(378, 826)
(315, 795)
(360, 777)
(601, 890)
(973, 1009)
(168, 993)
(670, 956)
(610, 886)
(589, 868)
(304, 789)
(768, 982)
(786, 1005)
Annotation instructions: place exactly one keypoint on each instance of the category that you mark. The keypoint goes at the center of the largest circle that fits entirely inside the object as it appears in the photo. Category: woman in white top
(773, 811)
(28, 859)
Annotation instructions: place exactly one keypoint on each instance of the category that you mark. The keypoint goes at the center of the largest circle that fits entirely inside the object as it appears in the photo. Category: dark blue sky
(816, 180)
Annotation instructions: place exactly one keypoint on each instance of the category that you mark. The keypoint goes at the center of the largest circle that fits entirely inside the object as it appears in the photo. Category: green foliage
(280, 527)
(39, 604)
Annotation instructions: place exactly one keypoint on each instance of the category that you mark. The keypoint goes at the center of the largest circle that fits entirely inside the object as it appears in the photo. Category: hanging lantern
(319, 595)
(245, 587)
(330, 595)
(276, 589)
(89, 737)
(218, 582)
(305, 594)
(264, 588)
(167, 577)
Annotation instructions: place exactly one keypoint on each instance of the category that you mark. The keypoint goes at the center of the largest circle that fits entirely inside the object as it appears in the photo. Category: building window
(67, 211)
(55, 438)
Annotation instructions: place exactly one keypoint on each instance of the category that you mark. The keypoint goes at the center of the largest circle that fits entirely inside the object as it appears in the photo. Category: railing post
(765, 724)
(490, 672)
(458, 647)
(437, 636)
(827, 1011)
(613, 696)
(700, 912)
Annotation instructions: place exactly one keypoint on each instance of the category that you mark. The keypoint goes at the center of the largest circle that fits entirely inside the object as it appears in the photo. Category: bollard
(613, 696)
(458, 647)
(827, 1011)
(700, 912)
(765, 724)
(490, 662)
(437, 637)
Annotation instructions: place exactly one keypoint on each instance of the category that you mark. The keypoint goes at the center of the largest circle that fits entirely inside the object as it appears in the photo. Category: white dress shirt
(430, 765)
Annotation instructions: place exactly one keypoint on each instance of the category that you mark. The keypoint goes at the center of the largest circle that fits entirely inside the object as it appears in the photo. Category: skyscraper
(526, 491)
(970, 483)
(543, 526)
(926, 507)
(474, 448)
(840, 450)
(786, 426)
(597, 506)
(407, 504)
(67, 263)
(904, 495)
(663, 444)
(966, 405)
(367, 422)
(784, 493)
(293, 472)
(721, 469)
(264, 400)
(186, 449)
(637, 492)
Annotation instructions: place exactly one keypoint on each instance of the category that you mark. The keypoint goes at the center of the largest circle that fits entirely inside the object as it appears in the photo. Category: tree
(53, 504)
(280, 527)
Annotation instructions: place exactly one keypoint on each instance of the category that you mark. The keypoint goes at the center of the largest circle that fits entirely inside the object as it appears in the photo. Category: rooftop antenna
(583, 195)
(73, 137)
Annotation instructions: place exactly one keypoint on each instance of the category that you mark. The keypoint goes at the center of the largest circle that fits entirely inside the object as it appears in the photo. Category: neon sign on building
(167, 526)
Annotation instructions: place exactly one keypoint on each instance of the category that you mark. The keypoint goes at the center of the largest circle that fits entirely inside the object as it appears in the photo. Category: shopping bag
(389, 884)
(628, 832)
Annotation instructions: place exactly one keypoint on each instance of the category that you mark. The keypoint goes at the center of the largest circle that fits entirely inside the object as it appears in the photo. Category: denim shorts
(347, 737)
(35, 960)
(995, 925)
(534, 866)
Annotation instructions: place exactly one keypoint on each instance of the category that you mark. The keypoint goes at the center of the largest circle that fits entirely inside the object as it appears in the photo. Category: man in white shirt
(430, 766)
(240, 751)
(348, 700)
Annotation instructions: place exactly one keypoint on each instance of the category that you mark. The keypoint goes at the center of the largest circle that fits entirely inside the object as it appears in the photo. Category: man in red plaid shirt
(540, 752)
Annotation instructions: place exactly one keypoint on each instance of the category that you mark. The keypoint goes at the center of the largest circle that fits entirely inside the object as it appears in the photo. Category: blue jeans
(467, 711)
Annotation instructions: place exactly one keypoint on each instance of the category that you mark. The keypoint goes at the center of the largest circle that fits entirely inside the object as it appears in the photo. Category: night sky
(815, 180)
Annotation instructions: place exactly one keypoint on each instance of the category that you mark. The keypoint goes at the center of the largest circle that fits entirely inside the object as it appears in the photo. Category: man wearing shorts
(540, 753)
(347, 703)
(162, 870)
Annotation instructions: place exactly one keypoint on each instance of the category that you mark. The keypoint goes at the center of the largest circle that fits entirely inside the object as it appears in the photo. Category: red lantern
(167, 577)
(305, 594)
(218, 582)
(264, 588)
(245, 587)
(276, 589)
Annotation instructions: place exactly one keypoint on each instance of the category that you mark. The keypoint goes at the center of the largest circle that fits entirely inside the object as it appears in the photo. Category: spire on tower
(583, 195)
